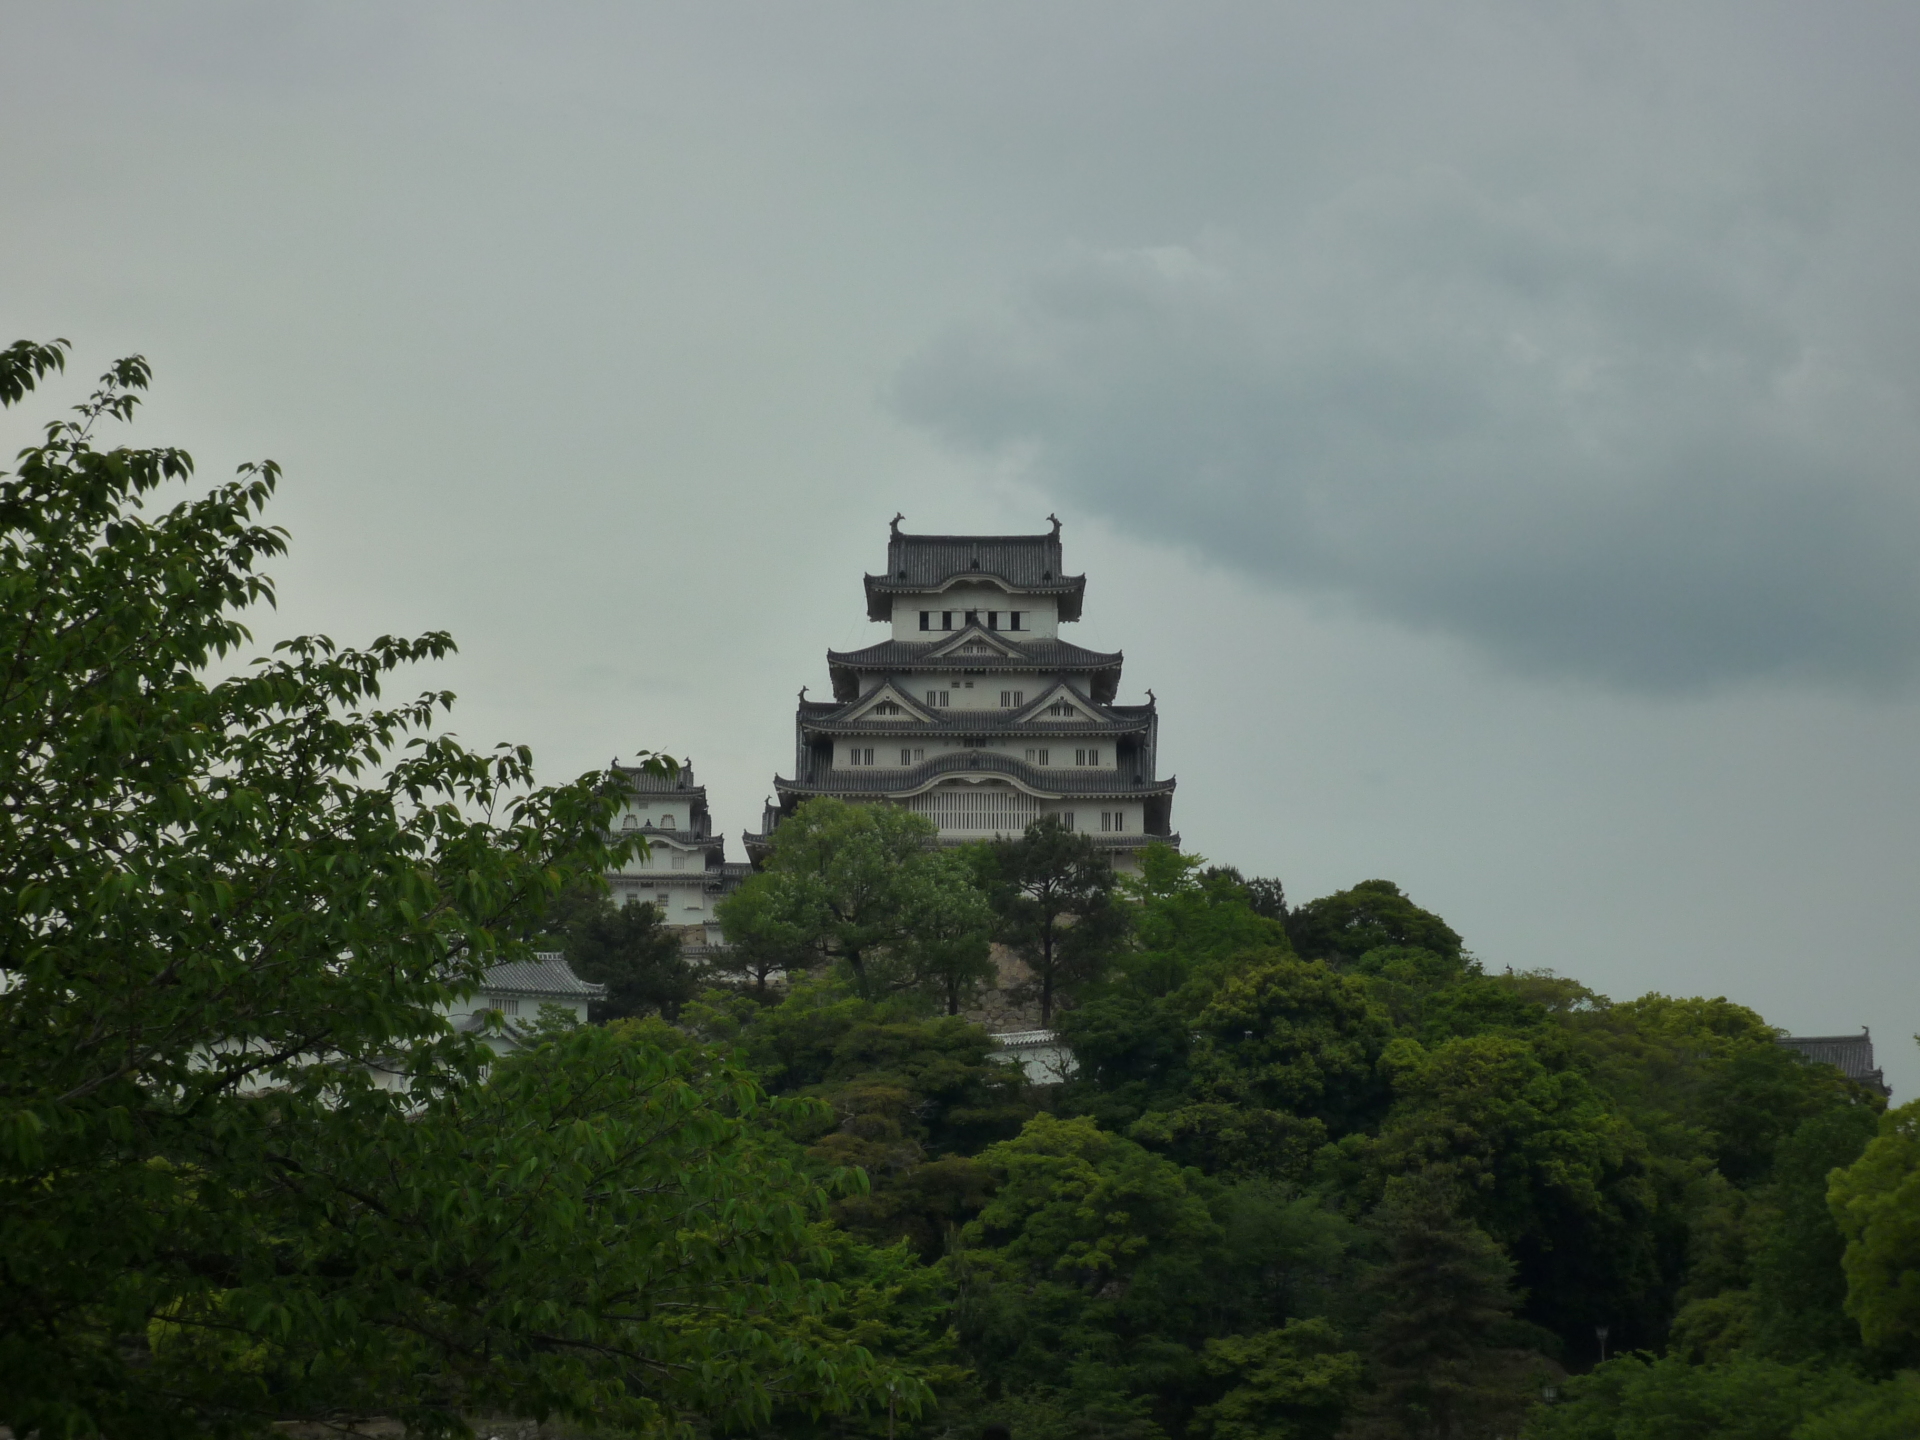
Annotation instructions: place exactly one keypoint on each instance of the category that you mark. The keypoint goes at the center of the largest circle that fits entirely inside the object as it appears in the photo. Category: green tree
(1876, 1203)
(1637, 1398)
(1344, 926)
(862, 886)
(232, 897)
(625, 948)
(1441, 1345)
(1186, 915)
(1053, 893)
(1294, 1383)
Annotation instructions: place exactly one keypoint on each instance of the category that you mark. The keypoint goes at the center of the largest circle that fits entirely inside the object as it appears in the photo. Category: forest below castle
(1317, 1173)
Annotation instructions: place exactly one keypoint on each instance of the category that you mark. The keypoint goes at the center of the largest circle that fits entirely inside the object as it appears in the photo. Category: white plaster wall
(1086, 814)
(1040, 614)
(687, 900)
(643, 809)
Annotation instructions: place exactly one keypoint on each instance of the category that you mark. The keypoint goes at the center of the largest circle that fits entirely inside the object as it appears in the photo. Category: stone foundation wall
(996, 1007)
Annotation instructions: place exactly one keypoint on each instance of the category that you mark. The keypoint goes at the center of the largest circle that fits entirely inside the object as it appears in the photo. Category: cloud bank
(1632, 447)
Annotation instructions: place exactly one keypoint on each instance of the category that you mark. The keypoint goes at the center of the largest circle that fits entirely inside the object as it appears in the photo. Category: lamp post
(1600, 1334)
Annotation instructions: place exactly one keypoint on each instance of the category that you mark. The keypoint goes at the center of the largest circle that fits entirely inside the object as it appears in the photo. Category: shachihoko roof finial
(896, 524)
(1056, 525)
(803, 694)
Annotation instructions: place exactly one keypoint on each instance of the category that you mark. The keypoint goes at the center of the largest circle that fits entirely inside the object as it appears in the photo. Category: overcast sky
(1490, 429)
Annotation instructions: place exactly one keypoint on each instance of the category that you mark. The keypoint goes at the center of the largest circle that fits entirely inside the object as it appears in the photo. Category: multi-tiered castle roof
(685, 872)
(974, 711)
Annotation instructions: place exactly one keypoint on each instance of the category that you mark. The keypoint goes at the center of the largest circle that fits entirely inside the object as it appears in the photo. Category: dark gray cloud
(1630, 445)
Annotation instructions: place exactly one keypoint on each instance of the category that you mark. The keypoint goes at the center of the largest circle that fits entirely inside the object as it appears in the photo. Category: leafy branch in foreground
(235, 903)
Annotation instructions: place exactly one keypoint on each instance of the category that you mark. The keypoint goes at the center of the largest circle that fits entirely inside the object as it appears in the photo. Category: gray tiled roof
(974, 762)
(1851, 1055)
(546, 976)
(1032, 655)
(925, 562)
(642, 783)
(972, 722)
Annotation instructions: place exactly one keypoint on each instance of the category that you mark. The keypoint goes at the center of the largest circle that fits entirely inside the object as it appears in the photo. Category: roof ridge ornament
(897, 518)
(1056, 526)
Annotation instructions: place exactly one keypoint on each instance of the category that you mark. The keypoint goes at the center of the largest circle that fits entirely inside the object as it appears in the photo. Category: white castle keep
(974, 712)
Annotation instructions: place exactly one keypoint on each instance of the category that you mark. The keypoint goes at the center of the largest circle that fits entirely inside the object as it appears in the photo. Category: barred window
(981, 808)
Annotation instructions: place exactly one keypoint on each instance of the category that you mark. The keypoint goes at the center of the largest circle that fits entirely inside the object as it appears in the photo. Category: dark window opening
(926, 619)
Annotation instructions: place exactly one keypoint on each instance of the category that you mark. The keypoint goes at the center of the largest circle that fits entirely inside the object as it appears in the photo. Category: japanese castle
(685, 871)
(974, 712)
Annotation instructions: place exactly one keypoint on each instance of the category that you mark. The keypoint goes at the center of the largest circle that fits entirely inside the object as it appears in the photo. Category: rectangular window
(946, 619)
(1079, 757)
(918, 754)
(1013, 619)
(938, 698)
(510, 1006)
(1012, 699)
(1066, 819)
(926, 619)
(906, 757)
(679, 860)
(993, 619)
(1114, 820)
(973, 617)
(660, 899)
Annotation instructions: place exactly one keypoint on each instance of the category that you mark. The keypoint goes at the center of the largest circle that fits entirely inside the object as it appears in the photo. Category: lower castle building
(974, 712)
(685, 872)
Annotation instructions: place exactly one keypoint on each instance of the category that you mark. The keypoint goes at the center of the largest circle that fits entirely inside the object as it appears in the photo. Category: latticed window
(887, 707)
(983, 808)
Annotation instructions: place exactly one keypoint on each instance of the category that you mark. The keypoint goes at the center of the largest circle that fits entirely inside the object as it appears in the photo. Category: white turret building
(684, 874)
(974, 711)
